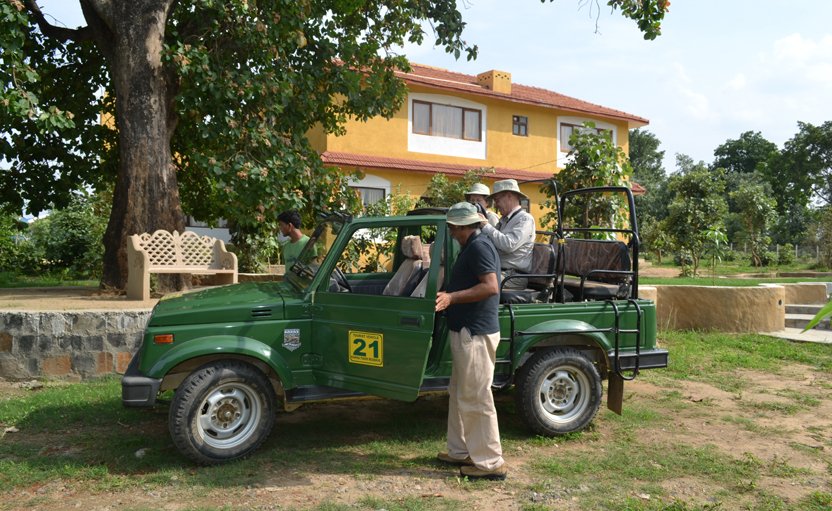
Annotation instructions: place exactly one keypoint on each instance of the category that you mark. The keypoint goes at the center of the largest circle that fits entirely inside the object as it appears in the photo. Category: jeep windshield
(303, 271)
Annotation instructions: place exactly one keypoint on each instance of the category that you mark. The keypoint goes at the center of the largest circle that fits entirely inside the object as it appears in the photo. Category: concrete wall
(721, 308)
(68, 344)
(804, 293)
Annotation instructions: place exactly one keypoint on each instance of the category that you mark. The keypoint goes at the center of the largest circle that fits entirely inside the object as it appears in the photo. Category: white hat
(463, 213)
(507, 185)
(478, 189)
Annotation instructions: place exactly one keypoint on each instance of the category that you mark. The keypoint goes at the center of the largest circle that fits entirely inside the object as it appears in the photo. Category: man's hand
(443, 300)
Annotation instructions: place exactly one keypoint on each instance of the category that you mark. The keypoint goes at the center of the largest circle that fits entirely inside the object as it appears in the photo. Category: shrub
(786, 254)
(767, 258)
(18, 254)
(69, 239)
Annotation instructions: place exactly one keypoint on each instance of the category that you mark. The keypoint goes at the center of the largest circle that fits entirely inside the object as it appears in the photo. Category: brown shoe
(444, 457)
(472, 473)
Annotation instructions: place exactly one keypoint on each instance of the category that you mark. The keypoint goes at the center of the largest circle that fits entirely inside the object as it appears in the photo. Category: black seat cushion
(594, 290)
(516, 296)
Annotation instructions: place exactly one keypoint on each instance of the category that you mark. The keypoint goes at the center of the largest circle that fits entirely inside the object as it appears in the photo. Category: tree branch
(50, 30)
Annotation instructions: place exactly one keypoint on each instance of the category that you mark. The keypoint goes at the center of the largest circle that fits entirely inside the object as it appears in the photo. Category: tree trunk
(146, 195)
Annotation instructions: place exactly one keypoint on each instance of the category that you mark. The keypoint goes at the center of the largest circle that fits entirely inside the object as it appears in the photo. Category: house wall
(539, 152)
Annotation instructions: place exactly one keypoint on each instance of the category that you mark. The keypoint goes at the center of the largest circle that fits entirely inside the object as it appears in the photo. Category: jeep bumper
(647, 359)
(138, 391)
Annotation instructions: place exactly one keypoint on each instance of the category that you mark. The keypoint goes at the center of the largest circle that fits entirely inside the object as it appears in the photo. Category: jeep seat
(541, 280)
(409, 273)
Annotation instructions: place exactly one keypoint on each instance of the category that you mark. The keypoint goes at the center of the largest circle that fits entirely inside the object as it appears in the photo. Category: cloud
(800, 58)
(738, 82)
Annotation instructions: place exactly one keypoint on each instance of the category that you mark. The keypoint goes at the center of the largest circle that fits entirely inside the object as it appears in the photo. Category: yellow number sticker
(366, 348)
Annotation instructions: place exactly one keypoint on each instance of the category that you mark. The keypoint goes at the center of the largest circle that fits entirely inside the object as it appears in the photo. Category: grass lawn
(8, 280)
(736, 422)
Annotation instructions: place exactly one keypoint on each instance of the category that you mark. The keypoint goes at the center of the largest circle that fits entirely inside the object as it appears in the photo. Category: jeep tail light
(163, 339)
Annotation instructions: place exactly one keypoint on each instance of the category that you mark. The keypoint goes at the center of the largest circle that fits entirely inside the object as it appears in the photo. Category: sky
(720, 67)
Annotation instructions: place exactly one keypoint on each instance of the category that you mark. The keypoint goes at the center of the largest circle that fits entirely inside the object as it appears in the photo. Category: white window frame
(579, 121)
(372, 181)
(445, 146)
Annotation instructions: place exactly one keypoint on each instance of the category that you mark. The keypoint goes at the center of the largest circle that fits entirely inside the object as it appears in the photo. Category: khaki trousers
(472, 419)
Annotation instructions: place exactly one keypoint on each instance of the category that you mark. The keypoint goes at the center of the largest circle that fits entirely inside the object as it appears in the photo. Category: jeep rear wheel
(558, 392)
(222, 411)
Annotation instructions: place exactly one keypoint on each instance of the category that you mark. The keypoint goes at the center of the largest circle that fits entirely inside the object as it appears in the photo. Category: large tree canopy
(213, 97)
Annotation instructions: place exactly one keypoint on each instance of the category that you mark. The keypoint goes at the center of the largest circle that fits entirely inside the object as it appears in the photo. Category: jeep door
(370, 341)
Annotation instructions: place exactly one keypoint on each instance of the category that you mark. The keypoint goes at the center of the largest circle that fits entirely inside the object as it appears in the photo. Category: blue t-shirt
(476, 258)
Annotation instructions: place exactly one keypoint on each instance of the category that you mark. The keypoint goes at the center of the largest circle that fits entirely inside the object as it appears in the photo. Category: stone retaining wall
(68, 344)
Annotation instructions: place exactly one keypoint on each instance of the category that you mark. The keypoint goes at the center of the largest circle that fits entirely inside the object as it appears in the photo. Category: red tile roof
(449, 80)
(428, 167)
(452, 169)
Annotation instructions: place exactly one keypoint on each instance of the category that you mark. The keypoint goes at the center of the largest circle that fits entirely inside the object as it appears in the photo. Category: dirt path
(778, 423)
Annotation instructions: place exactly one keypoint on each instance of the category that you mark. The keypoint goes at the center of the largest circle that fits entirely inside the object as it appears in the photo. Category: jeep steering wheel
(341, 279)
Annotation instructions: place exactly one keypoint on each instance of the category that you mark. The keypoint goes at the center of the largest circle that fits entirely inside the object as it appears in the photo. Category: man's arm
(507, 242)
(487, 287)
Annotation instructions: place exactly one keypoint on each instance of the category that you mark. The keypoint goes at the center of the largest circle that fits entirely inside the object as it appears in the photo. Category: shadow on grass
(83, 433)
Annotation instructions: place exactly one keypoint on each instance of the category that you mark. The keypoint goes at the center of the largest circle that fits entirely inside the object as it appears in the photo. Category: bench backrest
(580, 257)
(543, 263)
(187, 250)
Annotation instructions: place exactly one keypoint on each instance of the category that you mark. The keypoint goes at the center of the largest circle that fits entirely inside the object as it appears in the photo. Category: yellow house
(453, 122)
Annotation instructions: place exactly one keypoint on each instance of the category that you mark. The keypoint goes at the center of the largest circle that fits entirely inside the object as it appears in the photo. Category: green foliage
(442, 192)
(756, 212)
(824, 237)
(749, 153)
(52, 139)
(69, 239)
(654, 237)
(801, 173)
(786, 255)
(697, 207)
(15, 248)
(716, 243)
(594, 160)
(648, 171)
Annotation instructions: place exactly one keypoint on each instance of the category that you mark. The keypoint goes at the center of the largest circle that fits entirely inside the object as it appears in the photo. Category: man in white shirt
(514, 234)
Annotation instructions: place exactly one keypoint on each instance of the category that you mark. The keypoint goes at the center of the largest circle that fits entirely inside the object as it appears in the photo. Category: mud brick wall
(68, 344)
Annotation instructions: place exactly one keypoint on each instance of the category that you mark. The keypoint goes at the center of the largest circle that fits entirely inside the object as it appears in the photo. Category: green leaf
(822, 314)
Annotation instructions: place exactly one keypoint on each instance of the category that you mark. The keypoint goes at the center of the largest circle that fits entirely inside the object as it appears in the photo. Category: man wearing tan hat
(472, 302)
(514, 233)
(478, 194)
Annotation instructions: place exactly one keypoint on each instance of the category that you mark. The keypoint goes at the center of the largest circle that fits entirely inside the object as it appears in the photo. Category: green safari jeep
(355, 316)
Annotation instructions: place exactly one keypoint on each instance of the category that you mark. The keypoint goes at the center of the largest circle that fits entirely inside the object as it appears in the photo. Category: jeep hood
(250, 301)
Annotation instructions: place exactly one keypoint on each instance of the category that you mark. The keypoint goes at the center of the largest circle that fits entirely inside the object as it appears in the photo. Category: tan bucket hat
(478, 189)
(463, 213)
(507, 185)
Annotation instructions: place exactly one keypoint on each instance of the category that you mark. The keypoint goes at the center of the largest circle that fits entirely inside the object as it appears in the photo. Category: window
(448, 121)
(566, 131)
(520, 125)
(370, 195)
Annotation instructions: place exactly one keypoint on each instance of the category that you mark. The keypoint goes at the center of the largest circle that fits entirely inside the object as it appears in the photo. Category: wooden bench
(165, 252)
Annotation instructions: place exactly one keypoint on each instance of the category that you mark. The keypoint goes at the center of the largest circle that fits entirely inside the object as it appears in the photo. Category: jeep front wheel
(221, 412)
(558, 392)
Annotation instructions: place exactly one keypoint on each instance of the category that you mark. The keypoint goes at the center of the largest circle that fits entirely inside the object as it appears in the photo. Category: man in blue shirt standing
(472, 302)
